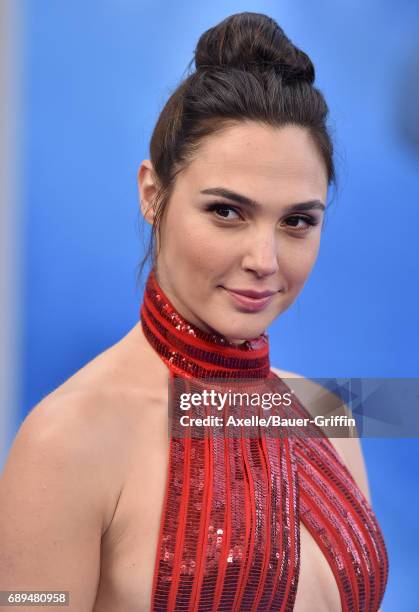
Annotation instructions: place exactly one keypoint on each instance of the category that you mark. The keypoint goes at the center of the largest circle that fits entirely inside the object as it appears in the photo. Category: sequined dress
(229, 535)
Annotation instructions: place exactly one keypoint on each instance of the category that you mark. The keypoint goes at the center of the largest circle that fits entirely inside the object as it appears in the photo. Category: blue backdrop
(96, 75)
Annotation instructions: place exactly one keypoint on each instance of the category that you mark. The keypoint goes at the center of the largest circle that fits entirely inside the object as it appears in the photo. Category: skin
(82, 489)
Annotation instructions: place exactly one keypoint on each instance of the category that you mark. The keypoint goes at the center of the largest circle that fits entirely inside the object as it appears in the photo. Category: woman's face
(213, 243)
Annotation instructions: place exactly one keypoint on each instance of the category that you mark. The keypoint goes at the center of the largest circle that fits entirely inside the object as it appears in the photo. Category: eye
(224, 208)
(301, 222)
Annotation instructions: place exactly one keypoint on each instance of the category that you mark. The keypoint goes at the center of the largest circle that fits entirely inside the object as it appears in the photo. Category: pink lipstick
(251, 304)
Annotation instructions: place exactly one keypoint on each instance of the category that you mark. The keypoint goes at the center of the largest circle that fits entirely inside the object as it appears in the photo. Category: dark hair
(246, 69)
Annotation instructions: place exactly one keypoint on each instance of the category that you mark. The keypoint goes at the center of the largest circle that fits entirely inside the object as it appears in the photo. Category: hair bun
(252, 41)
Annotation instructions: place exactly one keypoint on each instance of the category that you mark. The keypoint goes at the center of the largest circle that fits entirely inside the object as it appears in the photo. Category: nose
(262, 253)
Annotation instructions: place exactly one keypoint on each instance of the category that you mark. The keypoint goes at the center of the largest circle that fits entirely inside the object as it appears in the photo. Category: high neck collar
(189, 351)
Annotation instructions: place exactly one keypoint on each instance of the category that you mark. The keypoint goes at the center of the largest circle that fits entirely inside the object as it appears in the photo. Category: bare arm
(52, 506)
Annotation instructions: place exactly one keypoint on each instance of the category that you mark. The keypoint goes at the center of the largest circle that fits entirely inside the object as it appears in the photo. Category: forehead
(256, 157)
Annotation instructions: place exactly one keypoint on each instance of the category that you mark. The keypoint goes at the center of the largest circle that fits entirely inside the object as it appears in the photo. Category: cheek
(192, 245)
(297, 261)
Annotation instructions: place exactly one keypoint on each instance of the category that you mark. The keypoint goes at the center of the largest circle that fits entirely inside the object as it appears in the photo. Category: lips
(251, 293)
(248, 303)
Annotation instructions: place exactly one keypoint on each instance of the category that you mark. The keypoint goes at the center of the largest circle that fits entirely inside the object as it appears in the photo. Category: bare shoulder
(90, 422)
(74, 435)
(58, 492)
(93, 417)
(318, 400)
(65, 472)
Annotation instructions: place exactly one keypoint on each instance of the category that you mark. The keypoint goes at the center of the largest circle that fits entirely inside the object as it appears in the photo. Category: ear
(147, 188)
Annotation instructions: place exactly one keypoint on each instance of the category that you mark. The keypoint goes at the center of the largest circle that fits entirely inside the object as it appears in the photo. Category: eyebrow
(242, 199)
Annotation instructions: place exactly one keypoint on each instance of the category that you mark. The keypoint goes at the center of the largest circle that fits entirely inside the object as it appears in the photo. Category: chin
(243, 332)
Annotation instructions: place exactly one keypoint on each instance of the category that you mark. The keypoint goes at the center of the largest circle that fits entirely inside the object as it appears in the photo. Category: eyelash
(311, 221)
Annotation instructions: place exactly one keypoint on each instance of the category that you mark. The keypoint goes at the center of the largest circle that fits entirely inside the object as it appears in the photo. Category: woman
(96, 499)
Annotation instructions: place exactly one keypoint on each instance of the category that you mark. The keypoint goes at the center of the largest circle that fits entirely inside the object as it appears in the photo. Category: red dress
(229, 532)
